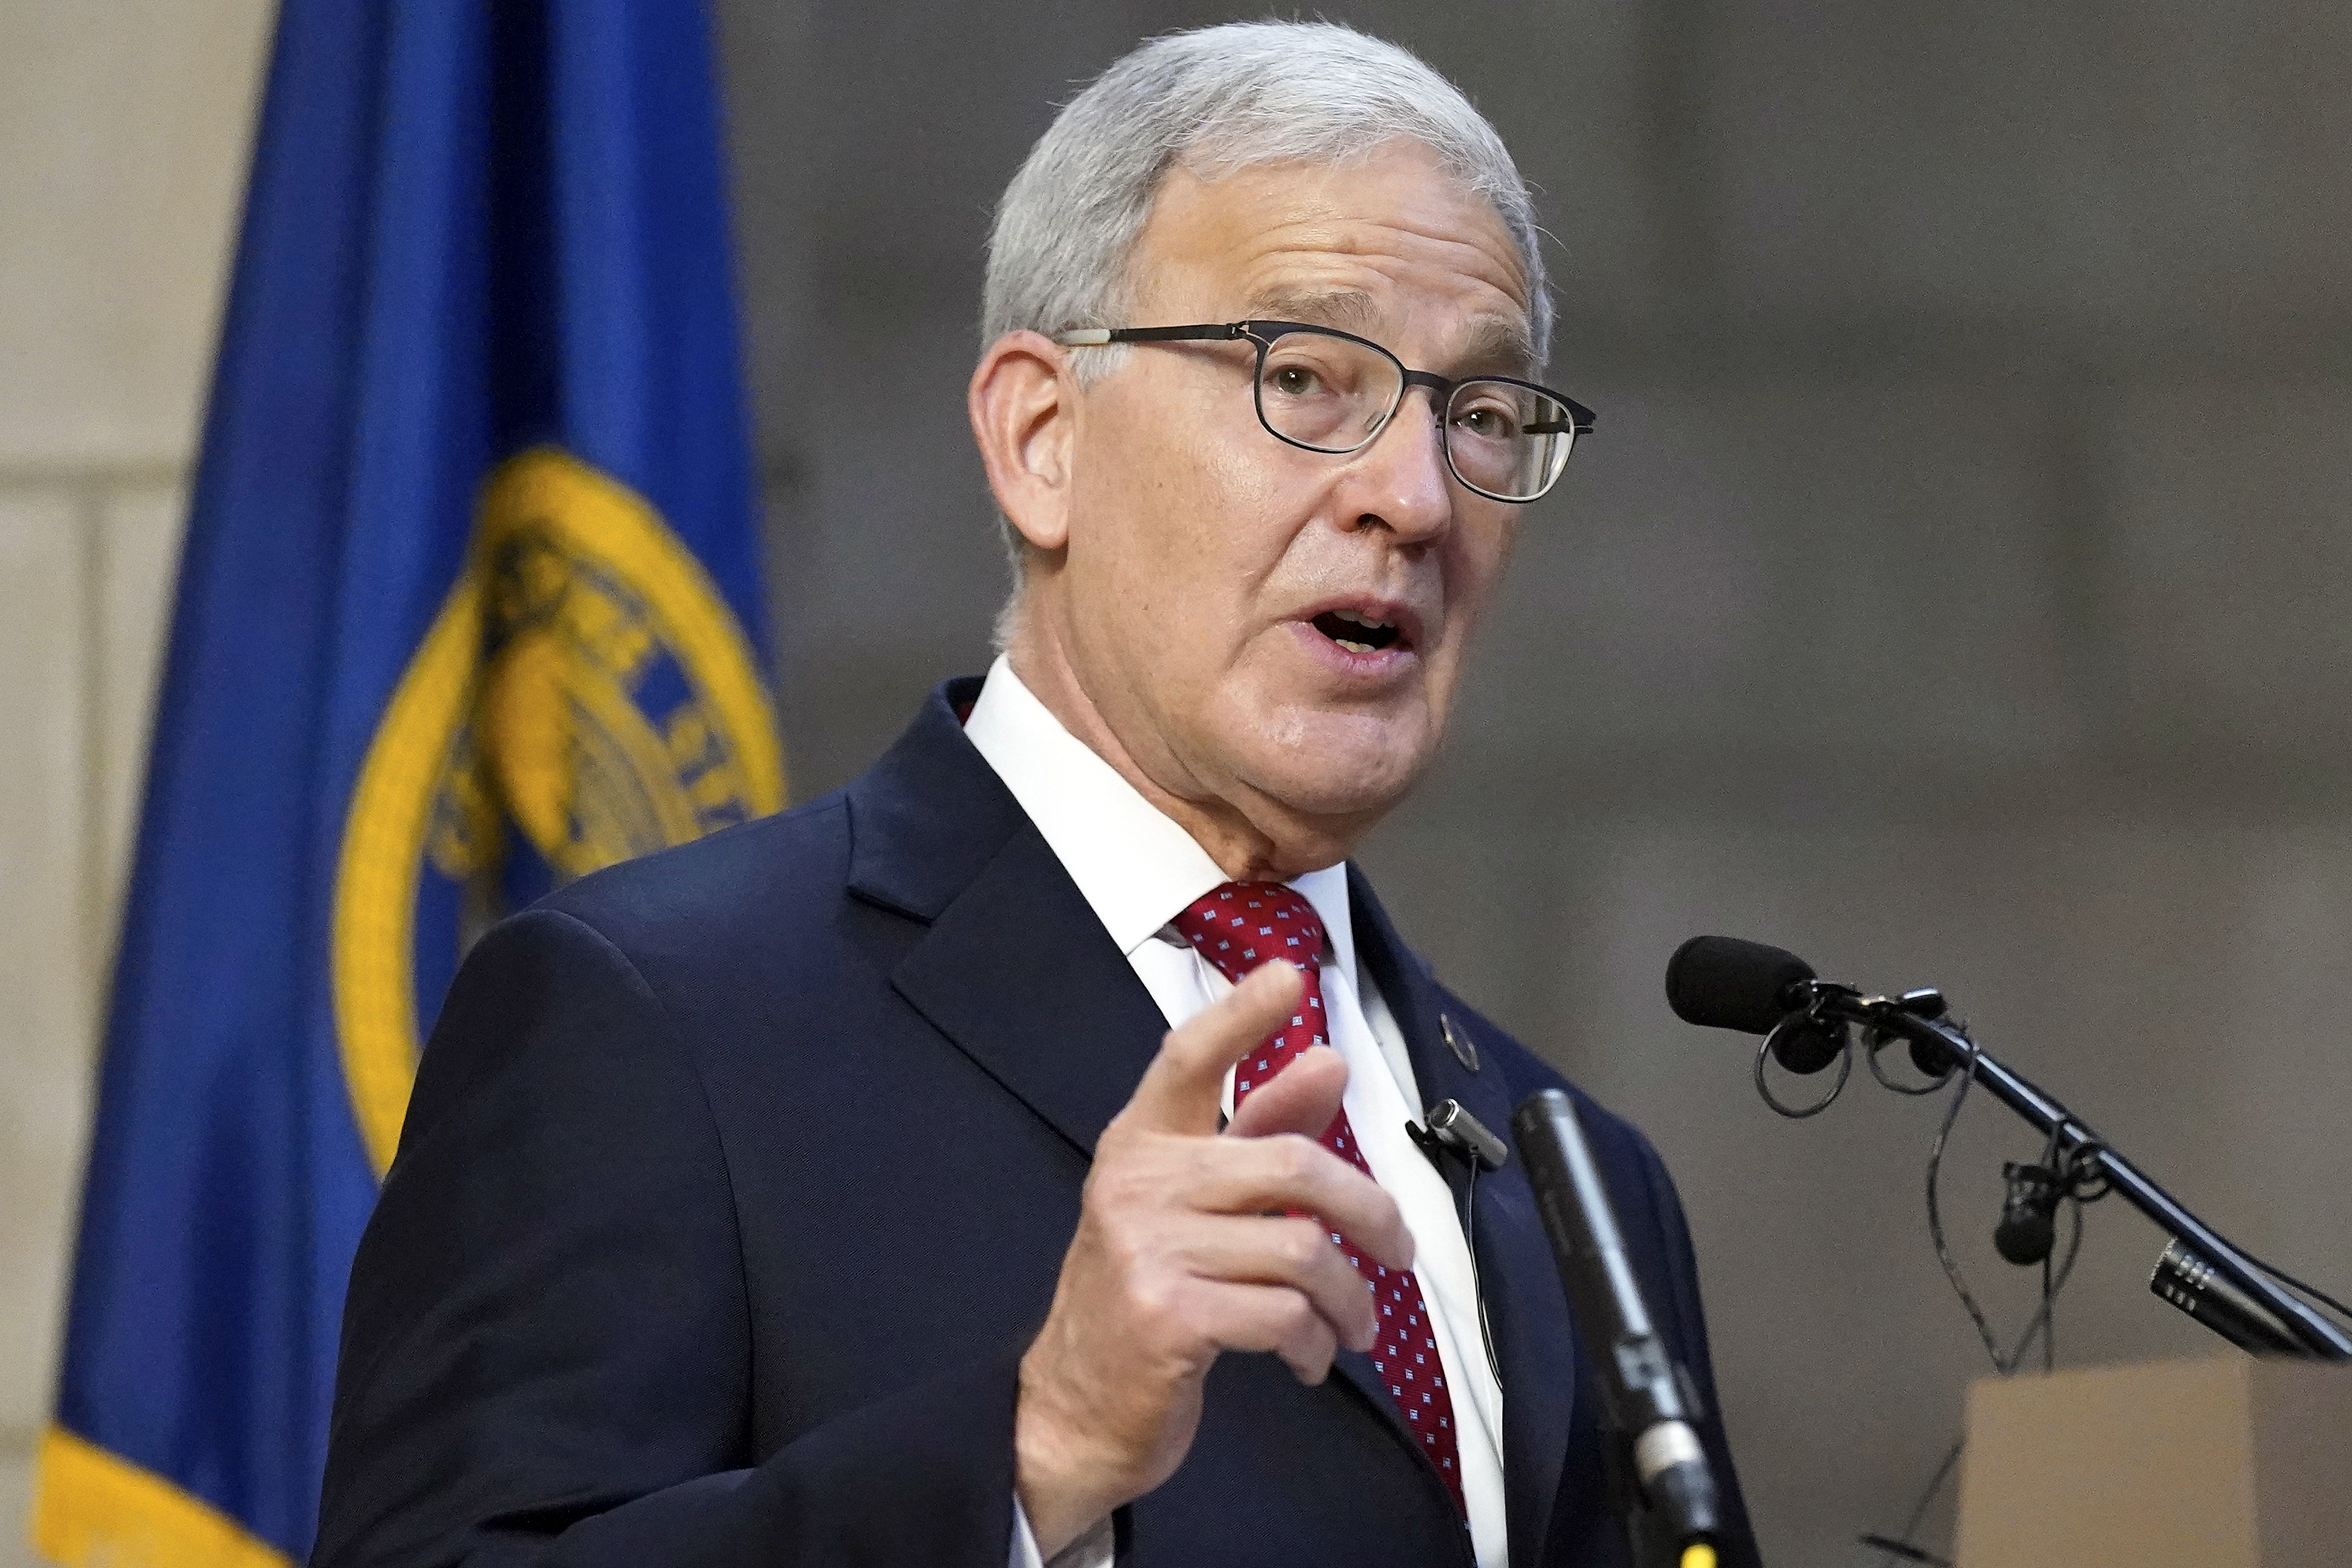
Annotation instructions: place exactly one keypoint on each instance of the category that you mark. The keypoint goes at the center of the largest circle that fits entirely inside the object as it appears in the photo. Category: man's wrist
(1063, 1481)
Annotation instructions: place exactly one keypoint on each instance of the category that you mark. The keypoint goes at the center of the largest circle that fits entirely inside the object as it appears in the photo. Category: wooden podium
(2231, 1462)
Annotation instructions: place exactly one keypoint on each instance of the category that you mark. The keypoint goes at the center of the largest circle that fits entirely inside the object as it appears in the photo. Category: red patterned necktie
(1237, 927)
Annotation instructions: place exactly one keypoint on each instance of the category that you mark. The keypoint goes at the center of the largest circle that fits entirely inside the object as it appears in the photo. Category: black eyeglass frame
(1261, 335)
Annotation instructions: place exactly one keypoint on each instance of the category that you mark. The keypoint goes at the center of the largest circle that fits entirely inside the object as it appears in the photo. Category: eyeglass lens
(1333, 395)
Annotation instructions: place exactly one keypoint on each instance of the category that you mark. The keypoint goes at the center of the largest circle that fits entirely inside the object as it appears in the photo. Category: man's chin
(1346, 765)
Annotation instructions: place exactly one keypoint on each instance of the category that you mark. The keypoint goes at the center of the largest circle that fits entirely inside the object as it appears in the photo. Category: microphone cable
(2043, 1323)
(1899, 1548)
(2069, 1188)
(2068, 1185)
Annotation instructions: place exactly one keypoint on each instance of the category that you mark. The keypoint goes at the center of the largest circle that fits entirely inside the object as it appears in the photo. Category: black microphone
(1723, 983)
(1640, 1384)
(2189, 1283)
(2028, 1214)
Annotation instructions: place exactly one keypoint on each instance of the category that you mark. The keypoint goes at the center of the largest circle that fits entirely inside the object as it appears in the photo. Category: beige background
(123, 129)
(1956, 591)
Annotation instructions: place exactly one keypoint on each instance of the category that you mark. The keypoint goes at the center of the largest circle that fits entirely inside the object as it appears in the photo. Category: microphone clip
(1819, 1029)
(1448, 1127)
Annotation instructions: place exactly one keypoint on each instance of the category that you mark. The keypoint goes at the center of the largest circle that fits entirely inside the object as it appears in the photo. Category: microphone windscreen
(1723, 983)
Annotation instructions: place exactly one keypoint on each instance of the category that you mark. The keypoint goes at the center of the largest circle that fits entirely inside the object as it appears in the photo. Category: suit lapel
(1022, 976)
(1527, 1309)
(1015, 969)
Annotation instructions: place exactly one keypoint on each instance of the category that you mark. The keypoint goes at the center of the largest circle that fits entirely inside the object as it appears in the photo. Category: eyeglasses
(1329, 390)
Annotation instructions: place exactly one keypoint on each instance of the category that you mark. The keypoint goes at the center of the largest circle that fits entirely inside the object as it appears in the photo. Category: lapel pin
(1458, 1041)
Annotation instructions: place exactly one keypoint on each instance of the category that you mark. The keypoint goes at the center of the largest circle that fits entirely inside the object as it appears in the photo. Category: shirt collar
(1135, 866)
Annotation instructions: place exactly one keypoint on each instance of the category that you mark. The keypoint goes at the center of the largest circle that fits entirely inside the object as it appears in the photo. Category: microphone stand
(1938, 1048)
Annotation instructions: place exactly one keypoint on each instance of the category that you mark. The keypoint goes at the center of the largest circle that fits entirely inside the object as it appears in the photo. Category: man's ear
(1023, 417)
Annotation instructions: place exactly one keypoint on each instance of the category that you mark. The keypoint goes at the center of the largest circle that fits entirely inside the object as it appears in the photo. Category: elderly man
(945, 1171)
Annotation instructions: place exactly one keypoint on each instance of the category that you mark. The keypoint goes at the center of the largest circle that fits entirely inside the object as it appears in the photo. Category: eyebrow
(1500, 344)
(1495, 345)
(1350, 309)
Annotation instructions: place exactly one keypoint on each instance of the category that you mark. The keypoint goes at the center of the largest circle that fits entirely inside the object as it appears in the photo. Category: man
(943, 1172)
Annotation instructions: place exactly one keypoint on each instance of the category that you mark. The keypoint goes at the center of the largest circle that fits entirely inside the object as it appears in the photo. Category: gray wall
(1953, 592)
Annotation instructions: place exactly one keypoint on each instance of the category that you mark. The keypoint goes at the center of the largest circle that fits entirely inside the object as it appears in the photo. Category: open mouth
(1359, 634)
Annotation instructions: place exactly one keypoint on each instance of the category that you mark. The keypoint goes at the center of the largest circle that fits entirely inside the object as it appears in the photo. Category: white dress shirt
(1138, 869)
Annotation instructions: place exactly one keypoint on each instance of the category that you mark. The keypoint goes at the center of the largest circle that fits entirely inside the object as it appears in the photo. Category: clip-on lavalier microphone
(1448, 1127)
(1451, 1128)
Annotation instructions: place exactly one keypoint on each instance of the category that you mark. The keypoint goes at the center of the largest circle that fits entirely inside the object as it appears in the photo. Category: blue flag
(470, 606)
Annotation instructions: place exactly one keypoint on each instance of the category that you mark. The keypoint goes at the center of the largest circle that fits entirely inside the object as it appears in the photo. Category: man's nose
(1400, 481)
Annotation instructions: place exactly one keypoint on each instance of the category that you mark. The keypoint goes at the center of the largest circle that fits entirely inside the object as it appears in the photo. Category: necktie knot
(1239, 925)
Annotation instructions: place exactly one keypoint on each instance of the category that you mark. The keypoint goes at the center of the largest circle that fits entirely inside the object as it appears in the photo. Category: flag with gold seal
(470, 606)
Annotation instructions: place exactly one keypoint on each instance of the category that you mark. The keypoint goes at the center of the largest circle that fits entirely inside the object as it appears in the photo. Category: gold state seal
(584, 684)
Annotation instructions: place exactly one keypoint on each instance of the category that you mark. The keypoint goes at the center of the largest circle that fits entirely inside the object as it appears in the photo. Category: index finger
(1183, 1089)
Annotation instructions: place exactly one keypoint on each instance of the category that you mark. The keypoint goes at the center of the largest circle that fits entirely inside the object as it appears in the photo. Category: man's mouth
(1358, 633)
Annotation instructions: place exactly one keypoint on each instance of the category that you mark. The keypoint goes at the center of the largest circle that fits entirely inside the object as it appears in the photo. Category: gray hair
(1218, 100)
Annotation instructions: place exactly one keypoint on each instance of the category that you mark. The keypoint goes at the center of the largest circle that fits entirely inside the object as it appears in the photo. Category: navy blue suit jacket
(737, 1180)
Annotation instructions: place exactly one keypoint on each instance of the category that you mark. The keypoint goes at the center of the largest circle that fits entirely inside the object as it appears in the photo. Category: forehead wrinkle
(1341, 237)
(1494, 338)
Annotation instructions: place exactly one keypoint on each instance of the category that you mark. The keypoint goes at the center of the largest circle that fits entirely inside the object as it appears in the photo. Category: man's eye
(1295, 380)
(1490, 423)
